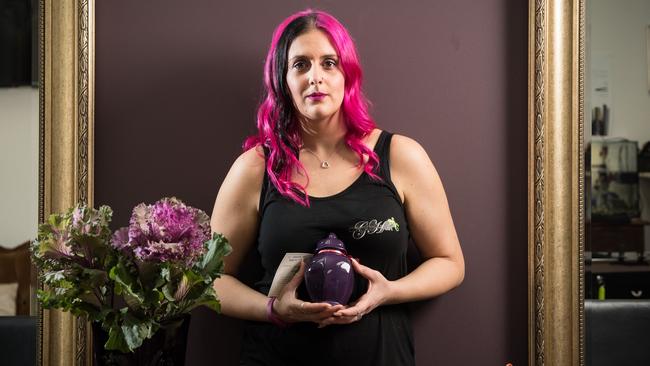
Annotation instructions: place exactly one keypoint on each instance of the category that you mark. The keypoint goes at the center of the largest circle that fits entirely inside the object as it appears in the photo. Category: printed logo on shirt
(374, 226)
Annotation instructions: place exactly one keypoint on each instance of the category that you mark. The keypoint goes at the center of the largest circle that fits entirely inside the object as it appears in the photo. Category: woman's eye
(330, 63)
(299, 65)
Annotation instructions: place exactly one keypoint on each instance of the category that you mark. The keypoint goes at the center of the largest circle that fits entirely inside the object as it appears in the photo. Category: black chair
(617, 332)
(18, 340)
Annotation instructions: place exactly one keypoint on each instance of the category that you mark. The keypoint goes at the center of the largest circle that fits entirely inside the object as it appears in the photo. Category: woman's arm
(235, 215)
(432, 229)
(430, 224)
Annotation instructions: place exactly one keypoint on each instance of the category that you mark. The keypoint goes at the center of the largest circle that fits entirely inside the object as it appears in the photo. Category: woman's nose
(315, 76)
(314, 81)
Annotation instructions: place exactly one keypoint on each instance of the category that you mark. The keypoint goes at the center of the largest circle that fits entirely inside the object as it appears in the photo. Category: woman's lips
(316, 96)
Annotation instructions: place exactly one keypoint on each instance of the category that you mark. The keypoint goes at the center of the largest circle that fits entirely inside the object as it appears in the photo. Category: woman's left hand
(379, 290)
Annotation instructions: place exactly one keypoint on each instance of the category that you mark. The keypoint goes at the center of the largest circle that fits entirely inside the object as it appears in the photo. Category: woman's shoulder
(410, 166)
(252, 159)
(408, 156)
(248, 168)
(404, 148)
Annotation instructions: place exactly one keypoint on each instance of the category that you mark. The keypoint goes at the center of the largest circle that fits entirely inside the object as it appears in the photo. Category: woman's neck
(323, 136)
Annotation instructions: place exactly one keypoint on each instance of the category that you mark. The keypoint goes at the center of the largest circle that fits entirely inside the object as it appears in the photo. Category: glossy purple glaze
(329, 276)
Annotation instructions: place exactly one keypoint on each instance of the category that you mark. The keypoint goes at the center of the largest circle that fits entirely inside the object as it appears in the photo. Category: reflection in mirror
(19, 144)
(617, 182)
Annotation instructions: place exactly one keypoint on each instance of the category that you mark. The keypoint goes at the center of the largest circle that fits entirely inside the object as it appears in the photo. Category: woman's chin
(318, 115)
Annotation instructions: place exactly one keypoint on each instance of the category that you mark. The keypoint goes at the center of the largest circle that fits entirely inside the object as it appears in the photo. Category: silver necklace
(324, 164)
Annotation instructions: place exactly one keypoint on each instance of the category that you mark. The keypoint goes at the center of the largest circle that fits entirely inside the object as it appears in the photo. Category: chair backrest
(617, 332)
(15, 266)
(18, 340)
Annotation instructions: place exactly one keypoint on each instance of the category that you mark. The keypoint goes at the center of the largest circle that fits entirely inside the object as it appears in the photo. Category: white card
(286, 270)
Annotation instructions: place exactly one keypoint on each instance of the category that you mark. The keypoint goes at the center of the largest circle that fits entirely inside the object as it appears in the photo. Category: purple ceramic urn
(329, 276)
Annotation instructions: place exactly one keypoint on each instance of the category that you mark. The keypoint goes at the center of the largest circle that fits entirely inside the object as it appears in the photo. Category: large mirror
(617, 184)
(556, 214)
(588, 190)
(19, 100)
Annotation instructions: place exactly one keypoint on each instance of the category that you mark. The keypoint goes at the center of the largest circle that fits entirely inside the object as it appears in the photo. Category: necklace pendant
(324, 165)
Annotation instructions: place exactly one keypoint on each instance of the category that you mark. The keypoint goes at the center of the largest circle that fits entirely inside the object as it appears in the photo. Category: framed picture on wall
(18, 43)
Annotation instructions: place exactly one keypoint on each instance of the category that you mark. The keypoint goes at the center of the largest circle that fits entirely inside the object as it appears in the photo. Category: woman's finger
(310, 308)
(315, 312)
(359, 268)
(340, 320)
(361, 308)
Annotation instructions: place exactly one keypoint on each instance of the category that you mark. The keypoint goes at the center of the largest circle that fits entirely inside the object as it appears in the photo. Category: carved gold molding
(537, 164)
(66, 45)
(555, 182)
(581, 180)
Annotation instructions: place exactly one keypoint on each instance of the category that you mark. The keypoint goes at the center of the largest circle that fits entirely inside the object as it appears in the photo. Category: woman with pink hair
(319, 165)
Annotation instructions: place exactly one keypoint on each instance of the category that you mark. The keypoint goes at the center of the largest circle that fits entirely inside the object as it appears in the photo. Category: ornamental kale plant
(165, 231)
(135, 280)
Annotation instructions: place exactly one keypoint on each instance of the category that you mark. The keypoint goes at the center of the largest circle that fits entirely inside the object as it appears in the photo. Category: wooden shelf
(617, 267)
(633, 222)
(645, 175)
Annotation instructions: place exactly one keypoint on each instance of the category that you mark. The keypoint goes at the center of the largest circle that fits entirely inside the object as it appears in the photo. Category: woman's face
(314, 77)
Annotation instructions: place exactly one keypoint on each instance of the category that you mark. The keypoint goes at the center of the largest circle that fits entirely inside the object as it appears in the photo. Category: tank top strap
(382, 149)
(266, 182)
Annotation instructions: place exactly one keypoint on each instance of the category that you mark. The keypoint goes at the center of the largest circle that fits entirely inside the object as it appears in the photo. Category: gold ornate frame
(555, 178)
(556, 182)
(66, 100)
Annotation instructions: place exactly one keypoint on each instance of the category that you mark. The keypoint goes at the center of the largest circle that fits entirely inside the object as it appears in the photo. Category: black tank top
(368, 216)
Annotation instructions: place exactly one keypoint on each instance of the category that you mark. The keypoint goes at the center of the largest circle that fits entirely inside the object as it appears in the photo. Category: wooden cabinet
(615, 237)
(622, 281)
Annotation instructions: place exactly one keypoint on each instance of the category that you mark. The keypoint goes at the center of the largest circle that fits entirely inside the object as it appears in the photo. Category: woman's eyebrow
(334, 56)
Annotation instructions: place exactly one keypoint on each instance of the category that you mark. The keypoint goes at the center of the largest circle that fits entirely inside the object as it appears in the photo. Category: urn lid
(331, 242)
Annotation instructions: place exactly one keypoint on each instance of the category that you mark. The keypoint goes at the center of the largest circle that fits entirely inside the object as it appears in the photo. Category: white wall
(18, 165)
(616, 32)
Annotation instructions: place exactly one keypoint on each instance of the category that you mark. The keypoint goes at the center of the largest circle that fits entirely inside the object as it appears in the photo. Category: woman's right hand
(291, 309)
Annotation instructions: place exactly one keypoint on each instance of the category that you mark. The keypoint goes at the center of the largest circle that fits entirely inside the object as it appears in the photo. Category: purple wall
(177, 84)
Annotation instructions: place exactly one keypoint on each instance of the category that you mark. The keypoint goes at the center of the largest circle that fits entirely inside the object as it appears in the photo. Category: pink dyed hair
(277, 125)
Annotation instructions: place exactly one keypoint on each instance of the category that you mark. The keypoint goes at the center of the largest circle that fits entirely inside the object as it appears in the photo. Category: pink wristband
(272, 317)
